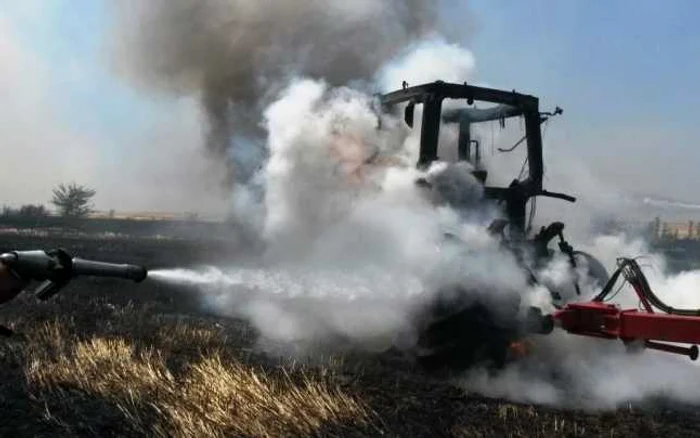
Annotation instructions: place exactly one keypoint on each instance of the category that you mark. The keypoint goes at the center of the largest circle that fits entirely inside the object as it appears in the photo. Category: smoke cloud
(235, 54)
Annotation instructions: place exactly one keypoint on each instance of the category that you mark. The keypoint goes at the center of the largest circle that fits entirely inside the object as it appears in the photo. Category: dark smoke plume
(235, 54)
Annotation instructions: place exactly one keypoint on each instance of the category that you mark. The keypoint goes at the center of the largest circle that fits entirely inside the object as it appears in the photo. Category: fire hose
(646, 327)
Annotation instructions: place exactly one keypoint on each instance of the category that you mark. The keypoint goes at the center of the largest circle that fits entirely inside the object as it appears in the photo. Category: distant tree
(30, 210)
(25, 211)
(73, 200)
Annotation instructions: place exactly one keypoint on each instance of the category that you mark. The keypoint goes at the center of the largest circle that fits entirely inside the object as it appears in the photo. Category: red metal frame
(598, 319)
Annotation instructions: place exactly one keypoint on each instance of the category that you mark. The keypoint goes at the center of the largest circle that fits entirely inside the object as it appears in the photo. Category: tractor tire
(459, 336)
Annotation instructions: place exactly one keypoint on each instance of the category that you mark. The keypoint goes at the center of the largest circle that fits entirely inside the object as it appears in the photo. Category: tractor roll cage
(508, 104)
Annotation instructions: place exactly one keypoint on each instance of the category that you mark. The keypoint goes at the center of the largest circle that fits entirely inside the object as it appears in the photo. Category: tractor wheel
(457, 337)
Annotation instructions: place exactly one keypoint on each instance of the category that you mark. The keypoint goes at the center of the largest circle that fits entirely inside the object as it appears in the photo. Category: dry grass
(213, 396)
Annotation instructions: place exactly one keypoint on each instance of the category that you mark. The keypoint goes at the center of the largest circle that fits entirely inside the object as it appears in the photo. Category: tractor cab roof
(507, 104)
(502, 105)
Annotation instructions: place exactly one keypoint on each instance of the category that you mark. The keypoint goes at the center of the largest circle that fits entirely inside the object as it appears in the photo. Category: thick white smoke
(427, 61)
(319, 141)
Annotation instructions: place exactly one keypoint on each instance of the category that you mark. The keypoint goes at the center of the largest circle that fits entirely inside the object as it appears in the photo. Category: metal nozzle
(56, 268)
(137, 273)
(102, 269)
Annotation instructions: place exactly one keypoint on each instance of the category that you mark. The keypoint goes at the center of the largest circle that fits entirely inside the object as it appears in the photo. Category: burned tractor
(457, 333)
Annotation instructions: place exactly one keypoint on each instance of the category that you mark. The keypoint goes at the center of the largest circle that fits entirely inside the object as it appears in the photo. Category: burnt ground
(400, 400)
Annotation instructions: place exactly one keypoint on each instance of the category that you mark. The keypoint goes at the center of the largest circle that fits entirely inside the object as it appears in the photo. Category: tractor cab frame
(507, 104)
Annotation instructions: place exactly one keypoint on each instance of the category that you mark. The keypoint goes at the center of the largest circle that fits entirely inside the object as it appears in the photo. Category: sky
(625, 74)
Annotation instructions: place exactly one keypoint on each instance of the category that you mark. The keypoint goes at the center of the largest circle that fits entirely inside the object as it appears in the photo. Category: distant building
(674, 230)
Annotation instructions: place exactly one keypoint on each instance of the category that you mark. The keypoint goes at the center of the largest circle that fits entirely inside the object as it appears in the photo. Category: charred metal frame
(431, 96)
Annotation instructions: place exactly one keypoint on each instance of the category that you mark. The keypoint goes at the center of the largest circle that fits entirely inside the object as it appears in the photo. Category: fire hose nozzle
(102, 269)
(56, 268)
